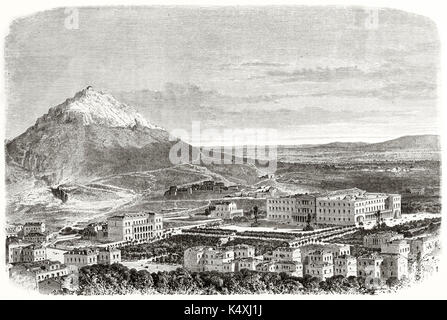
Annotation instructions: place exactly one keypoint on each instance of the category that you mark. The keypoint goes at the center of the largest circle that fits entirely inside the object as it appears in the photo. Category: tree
(255, 213)
(308, 227)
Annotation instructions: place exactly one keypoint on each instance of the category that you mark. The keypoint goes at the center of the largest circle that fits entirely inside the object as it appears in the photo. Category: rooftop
(133, 215)
(84, 251)
(34, 223)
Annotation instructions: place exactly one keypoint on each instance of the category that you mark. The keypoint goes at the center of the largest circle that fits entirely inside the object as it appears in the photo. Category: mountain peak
(91, 107)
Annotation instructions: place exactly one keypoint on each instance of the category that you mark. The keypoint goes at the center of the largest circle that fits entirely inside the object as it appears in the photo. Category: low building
(33, 253)
(15, 251)
(243, 251)
(226, 210)
(424, 244)
(345, 266)
(286, 254)
(247, 263)
(37, 271)
(109, 256)
(81, 257)
(375, 240)
(394, 266)
(320, 256)
(221, 260)
(337, 249)
(400, 247)
(266, 266)
(33, 227)
(192, 259)
(36, 237)
(55, 254)
(320, 270)
(198, 259)
(369, 266)
(14, 230)
(293, 268)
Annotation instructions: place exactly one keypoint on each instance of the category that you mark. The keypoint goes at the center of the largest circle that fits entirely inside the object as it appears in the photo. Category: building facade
(345, 266)
(136, 227)
(348, 207)
(376, 240)
(81, 257)
(369, 266)
(37, 271)
(109, 256)
(394, 266)
(399, 247)
(295, 209)
(33, 227)
(226, 210)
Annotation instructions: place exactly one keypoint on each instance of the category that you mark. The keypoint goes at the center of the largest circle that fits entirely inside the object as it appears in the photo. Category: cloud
(402, 90)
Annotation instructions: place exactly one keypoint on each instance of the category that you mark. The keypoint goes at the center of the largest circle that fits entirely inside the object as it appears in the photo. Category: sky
(311, 74)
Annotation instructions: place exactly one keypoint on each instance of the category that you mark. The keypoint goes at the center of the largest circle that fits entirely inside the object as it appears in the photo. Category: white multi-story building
(320, 270)
(342, 207)
(369, 266)
(109, 256)
(36, 237)
(198, 259)
(290, 267)
(81, 257)
(136, 227)
(295, 209)
(334, 248)
(345, 266)
(243, 251)
(226, 210)
(350, 207)
(33, 227)
(247, 263)
(285, 254)
(399, 247)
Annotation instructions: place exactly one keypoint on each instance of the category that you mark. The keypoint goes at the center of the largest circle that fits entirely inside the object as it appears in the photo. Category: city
(227, 150)
(383, 259)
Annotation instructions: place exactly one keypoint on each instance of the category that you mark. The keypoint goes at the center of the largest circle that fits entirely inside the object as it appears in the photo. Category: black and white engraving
(222, 150)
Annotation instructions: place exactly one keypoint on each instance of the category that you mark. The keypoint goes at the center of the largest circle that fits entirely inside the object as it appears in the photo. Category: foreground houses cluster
(342, 207)
(393, 258)
(40, 265)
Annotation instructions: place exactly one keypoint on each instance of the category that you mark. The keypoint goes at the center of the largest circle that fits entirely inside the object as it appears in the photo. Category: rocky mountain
(87, 136)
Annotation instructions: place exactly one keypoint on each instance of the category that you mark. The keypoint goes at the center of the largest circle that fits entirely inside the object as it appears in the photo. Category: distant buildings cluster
(209, 186)
(343, 207)
(32, 232)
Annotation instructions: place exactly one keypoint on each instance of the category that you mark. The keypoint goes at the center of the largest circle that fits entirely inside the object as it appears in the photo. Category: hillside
(89, 135)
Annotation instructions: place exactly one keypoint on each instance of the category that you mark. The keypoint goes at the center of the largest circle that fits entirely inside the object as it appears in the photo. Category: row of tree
(118, 279)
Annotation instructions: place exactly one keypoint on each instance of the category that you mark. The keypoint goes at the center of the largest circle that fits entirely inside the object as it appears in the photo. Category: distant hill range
(406, 143)
(93, 135)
